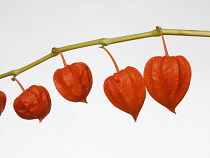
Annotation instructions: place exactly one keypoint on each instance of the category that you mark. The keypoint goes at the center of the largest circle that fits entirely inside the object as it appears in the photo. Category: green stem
(109, 41)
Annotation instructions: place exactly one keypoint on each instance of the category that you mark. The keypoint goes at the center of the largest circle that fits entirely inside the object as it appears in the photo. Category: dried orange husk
(167, 79)
(33, 103)
(74, 81)
(126, 90)
(3, 99)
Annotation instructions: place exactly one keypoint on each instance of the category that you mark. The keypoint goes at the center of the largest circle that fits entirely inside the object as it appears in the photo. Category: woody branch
(108, 41)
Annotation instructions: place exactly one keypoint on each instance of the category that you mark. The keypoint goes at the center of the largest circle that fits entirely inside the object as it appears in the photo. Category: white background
(28, 31)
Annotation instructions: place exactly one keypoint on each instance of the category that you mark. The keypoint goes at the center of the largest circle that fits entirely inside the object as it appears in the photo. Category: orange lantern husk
(167, 78)
(3, 99)
(74, 81)
(33, 103)
(125, 89)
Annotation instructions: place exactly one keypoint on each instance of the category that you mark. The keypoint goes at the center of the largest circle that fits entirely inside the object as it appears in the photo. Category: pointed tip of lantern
(40, 120)
(173, 110)
(85, 101)
(1, 112)
(135, 118)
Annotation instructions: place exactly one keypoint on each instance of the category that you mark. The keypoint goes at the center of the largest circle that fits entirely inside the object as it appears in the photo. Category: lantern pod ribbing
(125, 89)
(167, 78)
(74, 81)
(3, 99)
(33, 103)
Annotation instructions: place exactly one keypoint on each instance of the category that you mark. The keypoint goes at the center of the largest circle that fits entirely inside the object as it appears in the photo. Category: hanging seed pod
(125, 89)
(3, 99)
(74, 81)
(33, 103)
(167, 78)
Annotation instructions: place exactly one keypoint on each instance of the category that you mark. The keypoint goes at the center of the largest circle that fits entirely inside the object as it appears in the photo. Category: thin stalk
(15, 79)
(164, 43)
(62, 57)
(113, 60)
(109, 41)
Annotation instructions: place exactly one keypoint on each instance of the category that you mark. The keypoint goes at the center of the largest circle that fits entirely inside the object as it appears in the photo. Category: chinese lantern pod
(74, 81)
(3, 99)
(33, 103)
(126, 90)
(167, 79)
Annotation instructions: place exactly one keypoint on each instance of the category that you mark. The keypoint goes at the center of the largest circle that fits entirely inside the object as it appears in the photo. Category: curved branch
(109, 41)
